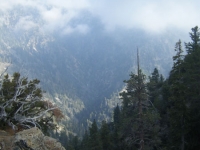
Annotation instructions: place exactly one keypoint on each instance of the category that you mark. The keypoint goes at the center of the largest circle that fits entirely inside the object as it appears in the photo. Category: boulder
(30, 139)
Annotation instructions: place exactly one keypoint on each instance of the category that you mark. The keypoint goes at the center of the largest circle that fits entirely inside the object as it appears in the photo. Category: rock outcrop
(31, 139)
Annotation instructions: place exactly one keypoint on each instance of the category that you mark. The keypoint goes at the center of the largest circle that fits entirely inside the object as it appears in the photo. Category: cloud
(79, 28)
(153, 16)
(55, 15)
(25, 23)
(57, 18)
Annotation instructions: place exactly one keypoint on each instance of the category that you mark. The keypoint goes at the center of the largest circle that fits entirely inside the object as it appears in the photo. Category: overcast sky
(153, 16)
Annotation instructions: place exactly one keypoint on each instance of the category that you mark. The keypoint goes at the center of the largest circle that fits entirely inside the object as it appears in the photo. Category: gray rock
(31, 139)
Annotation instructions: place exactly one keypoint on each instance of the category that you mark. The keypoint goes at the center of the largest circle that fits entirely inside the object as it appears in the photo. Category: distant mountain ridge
(79, 71)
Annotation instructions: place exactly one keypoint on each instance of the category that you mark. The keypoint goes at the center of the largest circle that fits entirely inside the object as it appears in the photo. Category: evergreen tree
(192, 82)
(194, 44)
(156, 91)
(22, 107)
(116, 117)
(185, 90)
(154, 86)
(85, 141)
(117, 123)
(140, 120)
(95, 143)
(105, 136)
(178, 109)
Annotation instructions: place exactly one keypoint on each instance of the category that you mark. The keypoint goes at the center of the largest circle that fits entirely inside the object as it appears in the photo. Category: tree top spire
(138, 61)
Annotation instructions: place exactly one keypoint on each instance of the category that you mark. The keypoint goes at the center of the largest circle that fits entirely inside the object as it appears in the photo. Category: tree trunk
(182, 134)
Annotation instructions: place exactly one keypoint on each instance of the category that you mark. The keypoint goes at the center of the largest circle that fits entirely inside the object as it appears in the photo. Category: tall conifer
(140, 121)
(192, 82)
(178, 110)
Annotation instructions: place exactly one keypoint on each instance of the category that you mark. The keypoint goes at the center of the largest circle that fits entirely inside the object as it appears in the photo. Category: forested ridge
(156, 113)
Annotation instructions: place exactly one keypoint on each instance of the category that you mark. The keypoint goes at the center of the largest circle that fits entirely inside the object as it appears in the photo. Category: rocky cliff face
(31, 139)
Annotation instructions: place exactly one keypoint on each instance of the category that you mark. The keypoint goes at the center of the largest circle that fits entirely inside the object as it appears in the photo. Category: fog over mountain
(155, 16)
(83, 50)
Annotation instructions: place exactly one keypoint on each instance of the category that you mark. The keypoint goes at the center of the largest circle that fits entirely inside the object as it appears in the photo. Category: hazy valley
(82, 69)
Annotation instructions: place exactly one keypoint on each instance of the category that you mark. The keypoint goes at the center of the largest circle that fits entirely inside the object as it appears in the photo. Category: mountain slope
(79, 70)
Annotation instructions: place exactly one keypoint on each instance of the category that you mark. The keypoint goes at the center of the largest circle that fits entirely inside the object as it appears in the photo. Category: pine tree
(116, 128)
(105, 136)
(95, 143)
(116, 117)
(22, 106)
(154, 86)
(178, 109)
(192, 82)
(157, 87)
(140, 120)
(85, 142)
(184, 84)
(194, 45)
